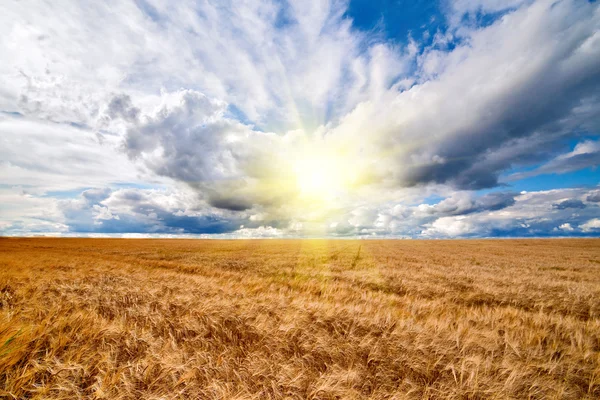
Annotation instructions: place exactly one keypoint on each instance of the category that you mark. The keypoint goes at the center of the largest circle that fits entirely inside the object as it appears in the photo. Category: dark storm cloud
(169, 223)
(229, 203)
(496, 201)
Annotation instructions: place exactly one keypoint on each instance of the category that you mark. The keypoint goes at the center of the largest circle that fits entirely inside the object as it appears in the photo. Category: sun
(315, 177)
(322, 176)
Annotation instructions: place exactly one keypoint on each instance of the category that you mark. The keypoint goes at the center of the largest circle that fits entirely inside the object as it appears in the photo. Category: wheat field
(299, 319)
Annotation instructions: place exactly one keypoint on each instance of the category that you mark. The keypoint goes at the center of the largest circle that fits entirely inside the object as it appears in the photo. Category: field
(306, 319)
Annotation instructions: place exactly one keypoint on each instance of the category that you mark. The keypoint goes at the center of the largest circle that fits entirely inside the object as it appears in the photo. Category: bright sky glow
(322, 177)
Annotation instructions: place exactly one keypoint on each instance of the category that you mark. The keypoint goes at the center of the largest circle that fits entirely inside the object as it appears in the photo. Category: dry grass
(169, 319)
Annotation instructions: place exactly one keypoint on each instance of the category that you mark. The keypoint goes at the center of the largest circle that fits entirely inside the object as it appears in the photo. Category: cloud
(449, 226)
(181, 212)
(531, 214)
(594, 197)
(462, 203)
(265, 57)
(525, 77)
(121, 107)
(566, 227)
(57, 157)
(571, 203)
(103, 213)
(586, 154)
(159, 211)
(593, 225)
(188, 138)
(260, 232)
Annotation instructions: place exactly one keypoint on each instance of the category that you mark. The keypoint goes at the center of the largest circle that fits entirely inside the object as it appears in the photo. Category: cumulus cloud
(566, 227)
(172, 212)
(449, 226)
(189, 139)
(593, 225)
(156, 211)
(529, 214)
(260, 232)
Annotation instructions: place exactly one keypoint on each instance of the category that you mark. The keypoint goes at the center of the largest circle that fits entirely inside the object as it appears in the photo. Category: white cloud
(531, 214)
(449, 226)
(591, 226)
(566, 227)
(59, 157)
(77, 55)
(260, 232)
(103, 213)
(169, 212)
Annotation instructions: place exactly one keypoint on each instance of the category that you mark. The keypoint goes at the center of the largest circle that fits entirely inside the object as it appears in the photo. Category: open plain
(299, 319)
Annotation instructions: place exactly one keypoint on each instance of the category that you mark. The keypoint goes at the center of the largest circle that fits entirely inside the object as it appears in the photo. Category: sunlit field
(299, 319)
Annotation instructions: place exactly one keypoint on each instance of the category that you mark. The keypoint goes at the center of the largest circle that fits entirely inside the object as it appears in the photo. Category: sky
(257, 118)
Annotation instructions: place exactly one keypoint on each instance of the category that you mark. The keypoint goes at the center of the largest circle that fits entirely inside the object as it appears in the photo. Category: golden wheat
(299, 319)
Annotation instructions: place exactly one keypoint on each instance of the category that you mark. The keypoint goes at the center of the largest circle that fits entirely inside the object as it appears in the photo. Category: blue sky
(417, 119)
(398, 20)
